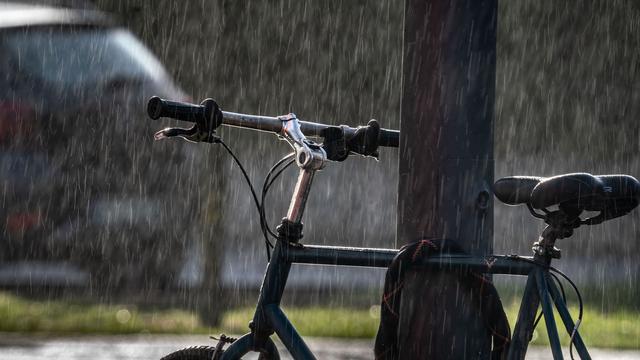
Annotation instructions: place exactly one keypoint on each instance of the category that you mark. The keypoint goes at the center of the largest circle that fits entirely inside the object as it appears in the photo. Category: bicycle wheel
(192, 353)
(205, 353)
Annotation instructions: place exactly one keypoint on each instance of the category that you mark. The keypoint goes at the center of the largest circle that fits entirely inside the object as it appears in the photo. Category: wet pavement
(13, 347)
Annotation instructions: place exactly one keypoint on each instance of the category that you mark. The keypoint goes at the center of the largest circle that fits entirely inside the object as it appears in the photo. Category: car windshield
(81, 56)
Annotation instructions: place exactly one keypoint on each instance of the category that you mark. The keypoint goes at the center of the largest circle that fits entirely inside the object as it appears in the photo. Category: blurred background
(94, 213)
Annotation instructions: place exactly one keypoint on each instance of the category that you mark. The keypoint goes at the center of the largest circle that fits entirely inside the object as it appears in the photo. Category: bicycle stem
(300, 196)
(310, 157)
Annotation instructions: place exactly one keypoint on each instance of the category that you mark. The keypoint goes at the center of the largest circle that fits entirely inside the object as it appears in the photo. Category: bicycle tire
(201, 353)
(192, 353)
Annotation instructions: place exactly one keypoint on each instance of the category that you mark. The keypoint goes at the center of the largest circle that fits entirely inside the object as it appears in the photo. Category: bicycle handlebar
(158, 108)
(387, 137)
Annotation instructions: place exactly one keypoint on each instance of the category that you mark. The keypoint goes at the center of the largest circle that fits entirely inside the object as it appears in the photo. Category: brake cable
(564, 297)
(580, 311)
(268, 181)
(253, 193)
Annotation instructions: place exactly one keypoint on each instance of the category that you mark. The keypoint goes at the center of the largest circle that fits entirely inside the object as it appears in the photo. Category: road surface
(143, 347)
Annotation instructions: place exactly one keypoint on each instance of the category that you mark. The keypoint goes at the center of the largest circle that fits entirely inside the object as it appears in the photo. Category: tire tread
(192, 353)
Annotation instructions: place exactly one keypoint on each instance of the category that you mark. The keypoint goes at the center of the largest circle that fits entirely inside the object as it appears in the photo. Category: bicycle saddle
(612, 195)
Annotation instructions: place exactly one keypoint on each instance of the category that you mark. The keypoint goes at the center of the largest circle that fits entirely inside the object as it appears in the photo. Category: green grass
(61, 317)
(618, 329)
(614, 329)
(316, 321)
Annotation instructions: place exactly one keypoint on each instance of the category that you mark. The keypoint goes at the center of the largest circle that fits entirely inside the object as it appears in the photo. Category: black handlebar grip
(157, 108)
(389, 138)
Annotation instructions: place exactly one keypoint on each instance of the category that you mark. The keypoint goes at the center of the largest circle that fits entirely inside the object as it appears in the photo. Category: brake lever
(192, 135)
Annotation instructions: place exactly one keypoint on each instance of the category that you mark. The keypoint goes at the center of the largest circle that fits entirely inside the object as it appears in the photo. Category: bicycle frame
(270, 318)
(339, 142)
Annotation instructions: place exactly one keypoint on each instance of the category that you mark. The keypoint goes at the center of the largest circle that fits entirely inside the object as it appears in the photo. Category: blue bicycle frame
(269, 317)
(364, 140)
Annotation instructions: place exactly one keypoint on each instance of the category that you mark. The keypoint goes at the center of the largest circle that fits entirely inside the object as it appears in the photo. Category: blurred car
(86, 200)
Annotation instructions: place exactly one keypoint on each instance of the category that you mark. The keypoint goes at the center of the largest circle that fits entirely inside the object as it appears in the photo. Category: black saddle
(611, 195)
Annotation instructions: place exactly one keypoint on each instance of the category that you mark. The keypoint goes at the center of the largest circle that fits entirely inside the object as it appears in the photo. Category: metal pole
(446, 151)
(446, 147)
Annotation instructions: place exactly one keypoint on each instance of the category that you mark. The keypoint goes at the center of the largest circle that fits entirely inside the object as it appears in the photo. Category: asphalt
(17, 347)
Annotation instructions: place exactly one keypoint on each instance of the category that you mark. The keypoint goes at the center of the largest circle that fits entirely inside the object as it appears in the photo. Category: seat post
(544, 249)
(560, 225)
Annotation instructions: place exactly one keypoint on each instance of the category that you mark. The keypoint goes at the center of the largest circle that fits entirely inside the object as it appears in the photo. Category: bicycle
(609, 195)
